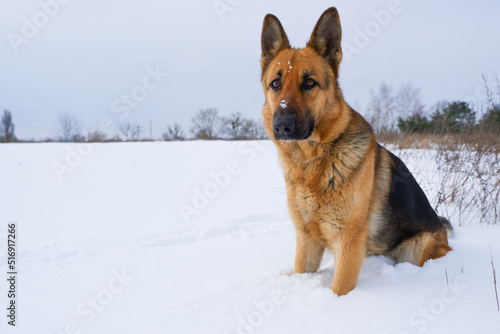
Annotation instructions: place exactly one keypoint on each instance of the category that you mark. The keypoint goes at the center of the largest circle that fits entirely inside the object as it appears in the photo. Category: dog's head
(300, 85)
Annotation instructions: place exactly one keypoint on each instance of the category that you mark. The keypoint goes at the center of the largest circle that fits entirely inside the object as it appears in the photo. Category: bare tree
(382, 108)
(408, 101)
(207, 124)
(69, 127)
(239, 128)
(252, 129)
(489, 93)
(131, 131)
(7, 128)
(260, 131)
(498, 86)
(174, 132)
(438, 106)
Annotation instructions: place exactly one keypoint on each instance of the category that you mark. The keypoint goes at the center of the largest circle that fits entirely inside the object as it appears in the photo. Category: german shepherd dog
(346, 193)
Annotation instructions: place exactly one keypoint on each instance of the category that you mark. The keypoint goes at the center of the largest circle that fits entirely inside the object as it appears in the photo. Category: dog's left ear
(273, 40)
(326, 38)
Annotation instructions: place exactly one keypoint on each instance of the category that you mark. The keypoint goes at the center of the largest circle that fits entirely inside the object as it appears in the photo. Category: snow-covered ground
(194, 237)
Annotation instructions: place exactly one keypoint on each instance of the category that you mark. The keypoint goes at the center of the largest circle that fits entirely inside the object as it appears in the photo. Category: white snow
(108, 250)
(283, 104)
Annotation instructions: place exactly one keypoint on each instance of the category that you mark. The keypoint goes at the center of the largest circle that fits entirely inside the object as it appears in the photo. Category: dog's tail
(447, 225)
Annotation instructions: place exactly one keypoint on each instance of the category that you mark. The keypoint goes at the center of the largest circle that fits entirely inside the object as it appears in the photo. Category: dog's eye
(309, 83)
(276, 84)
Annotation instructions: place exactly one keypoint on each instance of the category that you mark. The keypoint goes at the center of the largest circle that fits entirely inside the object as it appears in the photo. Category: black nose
(284, 125)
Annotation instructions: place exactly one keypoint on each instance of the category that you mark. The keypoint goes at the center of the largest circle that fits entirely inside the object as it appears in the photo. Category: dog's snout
(284, 125)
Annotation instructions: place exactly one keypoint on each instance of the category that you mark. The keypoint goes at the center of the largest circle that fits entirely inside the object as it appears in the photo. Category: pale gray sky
(85, 55)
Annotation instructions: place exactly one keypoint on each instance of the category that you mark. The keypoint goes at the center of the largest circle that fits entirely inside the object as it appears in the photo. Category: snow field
(194, 237)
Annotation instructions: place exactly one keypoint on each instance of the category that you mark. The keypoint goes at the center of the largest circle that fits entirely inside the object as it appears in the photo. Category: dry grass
(468, 169)
(477, 141)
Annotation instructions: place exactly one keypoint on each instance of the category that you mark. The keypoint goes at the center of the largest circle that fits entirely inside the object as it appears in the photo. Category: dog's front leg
(308, 254)
(349, 254)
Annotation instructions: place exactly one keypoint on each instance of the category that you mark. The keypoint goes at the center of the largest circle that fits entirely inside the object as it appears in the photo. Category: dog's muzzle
(287, 126)
(284, 126)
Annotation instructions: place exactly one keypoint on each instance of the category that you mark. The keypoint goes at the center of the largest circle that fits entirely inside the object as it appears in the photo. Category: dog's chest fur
(323, 192)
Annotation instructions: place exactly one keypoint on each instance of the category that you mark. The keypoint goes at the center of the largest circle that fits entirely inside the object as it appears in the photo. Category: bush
(490, 123)
(173, 133)
(96, 137)
(467, 185)
(456, 117)
(414, 124)
(239, 128)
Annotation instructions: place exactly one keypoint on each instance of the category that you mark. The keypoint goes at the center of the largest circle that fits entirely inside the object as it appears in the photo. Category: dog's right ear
(273, 40)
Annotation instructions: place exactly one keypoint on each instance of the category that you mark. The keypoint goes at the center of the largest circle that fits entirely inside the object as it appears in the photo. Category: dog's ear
(326, 38)
(273, 40)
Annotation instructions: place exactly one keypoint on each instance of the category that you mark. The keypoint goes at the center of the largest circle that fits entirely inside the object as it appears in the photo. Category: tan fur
(420, 248)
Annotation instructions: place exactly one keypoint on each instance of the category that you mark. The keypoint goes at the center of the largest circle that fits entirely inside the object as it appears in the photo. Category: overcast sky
(87, 55)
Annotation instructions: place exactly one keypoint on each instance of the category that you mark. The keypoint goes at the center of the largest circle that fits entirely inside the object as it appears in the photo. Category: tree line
(206, 124)
(402, 111)
(389, 111)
